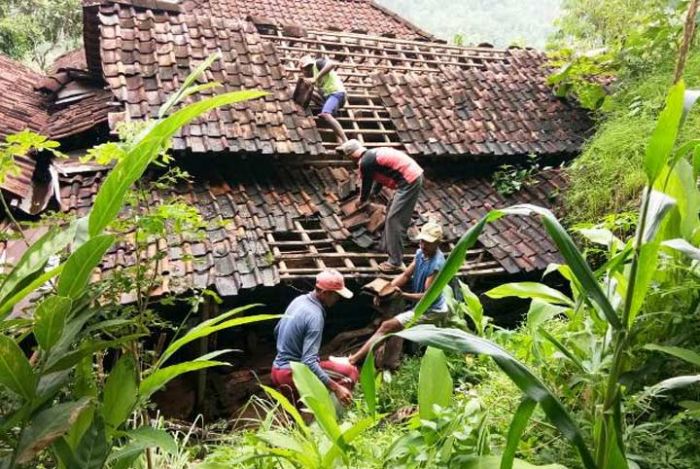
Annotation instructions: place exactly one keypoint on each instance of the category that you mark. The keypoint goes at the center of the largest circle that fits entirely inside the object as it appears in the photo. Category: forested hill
(502, 23)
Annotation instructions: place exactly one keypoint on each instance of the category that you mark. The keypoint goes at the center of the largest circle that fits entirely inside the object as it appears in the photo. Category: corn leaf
(688, 355)
(288, 407)
(434, 383)
(664, 135)
(452, 265)
(515, 431)
(530, 290)
(110, 198)
(316, 397)
(205, 331)
(581, 270)
(201, 330)
(162, 376)
(369, 384)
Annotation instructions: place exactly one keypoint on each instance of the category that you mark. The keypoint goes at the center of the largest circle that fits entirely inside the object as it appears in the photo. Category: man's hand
(342, 393)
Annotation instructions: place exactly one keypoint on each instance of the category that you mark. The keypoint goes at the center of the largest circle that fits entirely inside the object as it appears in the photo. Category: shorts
(429, 317)
(344, 374)
(333, 102)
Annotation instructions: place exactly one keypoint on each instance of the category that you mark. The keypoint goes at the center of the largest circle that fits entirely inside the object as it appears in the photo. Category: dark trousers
(399, 217)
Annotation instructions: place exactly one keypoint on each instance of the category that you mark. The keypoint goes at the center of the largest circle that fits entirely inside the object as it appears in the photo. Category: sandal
(387, 267)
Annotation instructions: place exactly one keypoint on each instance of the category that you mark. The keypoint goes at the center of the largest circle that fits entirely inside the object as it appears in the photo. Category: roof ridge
(162, 5)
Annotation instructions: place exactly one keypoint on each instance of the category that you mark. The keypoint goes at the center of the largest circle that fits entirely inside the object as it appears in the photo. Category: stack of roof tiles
(21, 107)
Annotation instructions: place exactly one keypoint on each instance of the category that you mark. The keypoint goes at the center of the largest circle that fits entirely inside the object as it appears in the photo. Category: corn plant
(57, 402)
(300, 445)
(612, 297)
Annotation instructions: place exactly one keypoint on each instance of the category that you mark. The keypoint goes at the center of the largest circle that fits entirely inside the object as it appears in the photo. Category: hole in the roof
(286, 236)
(307, 263)
(310, 223)
(334, 262)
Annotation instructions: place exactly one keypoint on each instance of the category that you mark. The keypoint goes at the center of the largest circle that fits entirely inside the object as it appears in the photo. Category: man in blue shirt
(299, 334)
(418, 276)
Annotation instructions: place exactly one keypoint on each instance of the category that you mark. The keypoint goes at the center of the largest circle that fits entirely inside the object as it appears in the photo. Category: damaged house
(276, 197)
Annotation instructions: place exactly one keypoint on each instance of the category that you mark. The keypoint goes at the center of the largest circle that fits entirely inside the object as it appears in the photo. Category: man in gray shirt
(299, 334)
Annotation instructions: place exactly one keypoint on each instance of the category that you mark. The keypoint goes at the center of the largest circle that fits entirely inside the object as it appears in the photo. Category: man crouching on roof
(417, 278)
(299, 335)
(322, 73)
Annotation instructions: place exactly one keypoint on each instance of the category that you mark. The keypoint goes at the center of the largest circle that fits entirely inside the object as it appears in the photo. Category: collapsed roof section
(21, 107)
(269, 225)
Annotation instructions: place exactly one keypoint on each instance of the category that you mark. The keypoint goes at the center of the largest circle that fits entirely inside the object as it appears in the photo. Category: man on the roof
(392, 168)
(322, 73)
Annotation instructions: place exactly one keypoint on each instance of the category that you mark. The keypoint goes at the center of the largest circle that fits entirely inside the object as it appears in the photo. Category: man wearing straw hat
(417, 277)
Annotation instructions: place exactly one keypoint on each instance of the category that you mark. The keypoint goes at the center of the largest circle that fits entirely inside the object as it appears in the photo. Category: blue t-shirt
(425, 268)
(299, 334)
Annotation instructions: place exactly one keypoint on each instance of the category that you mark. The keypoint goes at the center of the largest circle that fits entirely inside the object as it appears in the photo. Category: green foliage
(81, 425)
(36, 30)
(510, 179)
(434, 383)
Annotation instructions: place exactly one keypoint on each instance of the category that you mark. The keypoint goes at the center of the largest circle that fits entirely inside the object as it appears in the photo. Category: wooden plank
(369, 144)
(467, 53)
(359, 130)
(301, 243)
(348, 270)
(357, 255)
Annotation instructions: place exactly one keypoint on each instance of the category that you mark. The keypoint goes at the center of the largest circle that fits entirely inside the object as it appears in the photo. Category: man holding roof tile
(321, 72)
(394, 169)
(299, 334)
(411, 285)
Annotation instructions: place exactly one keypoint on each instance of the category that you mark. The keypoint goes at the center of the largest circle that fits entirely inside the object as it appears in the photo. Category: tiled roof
(88, 110)
(270, 225)
(21, 107)
(338, 15)
(499, 109)
(145, 56)
(73, 60)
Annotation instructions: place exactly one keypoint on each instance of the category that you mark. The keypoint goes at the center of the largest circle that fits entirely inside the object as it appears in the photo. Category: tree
(36, 30)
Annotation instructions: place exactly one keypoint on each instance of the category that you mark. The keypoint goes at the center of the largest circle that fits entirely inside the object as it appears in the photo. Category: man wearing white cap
(322, 72)
(383, 166)
(418, 276)
(299, 334)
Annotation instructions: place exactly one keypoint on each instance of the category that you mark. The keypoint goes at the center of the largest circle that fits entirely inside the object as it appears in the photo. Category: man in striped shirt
(396, 170)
